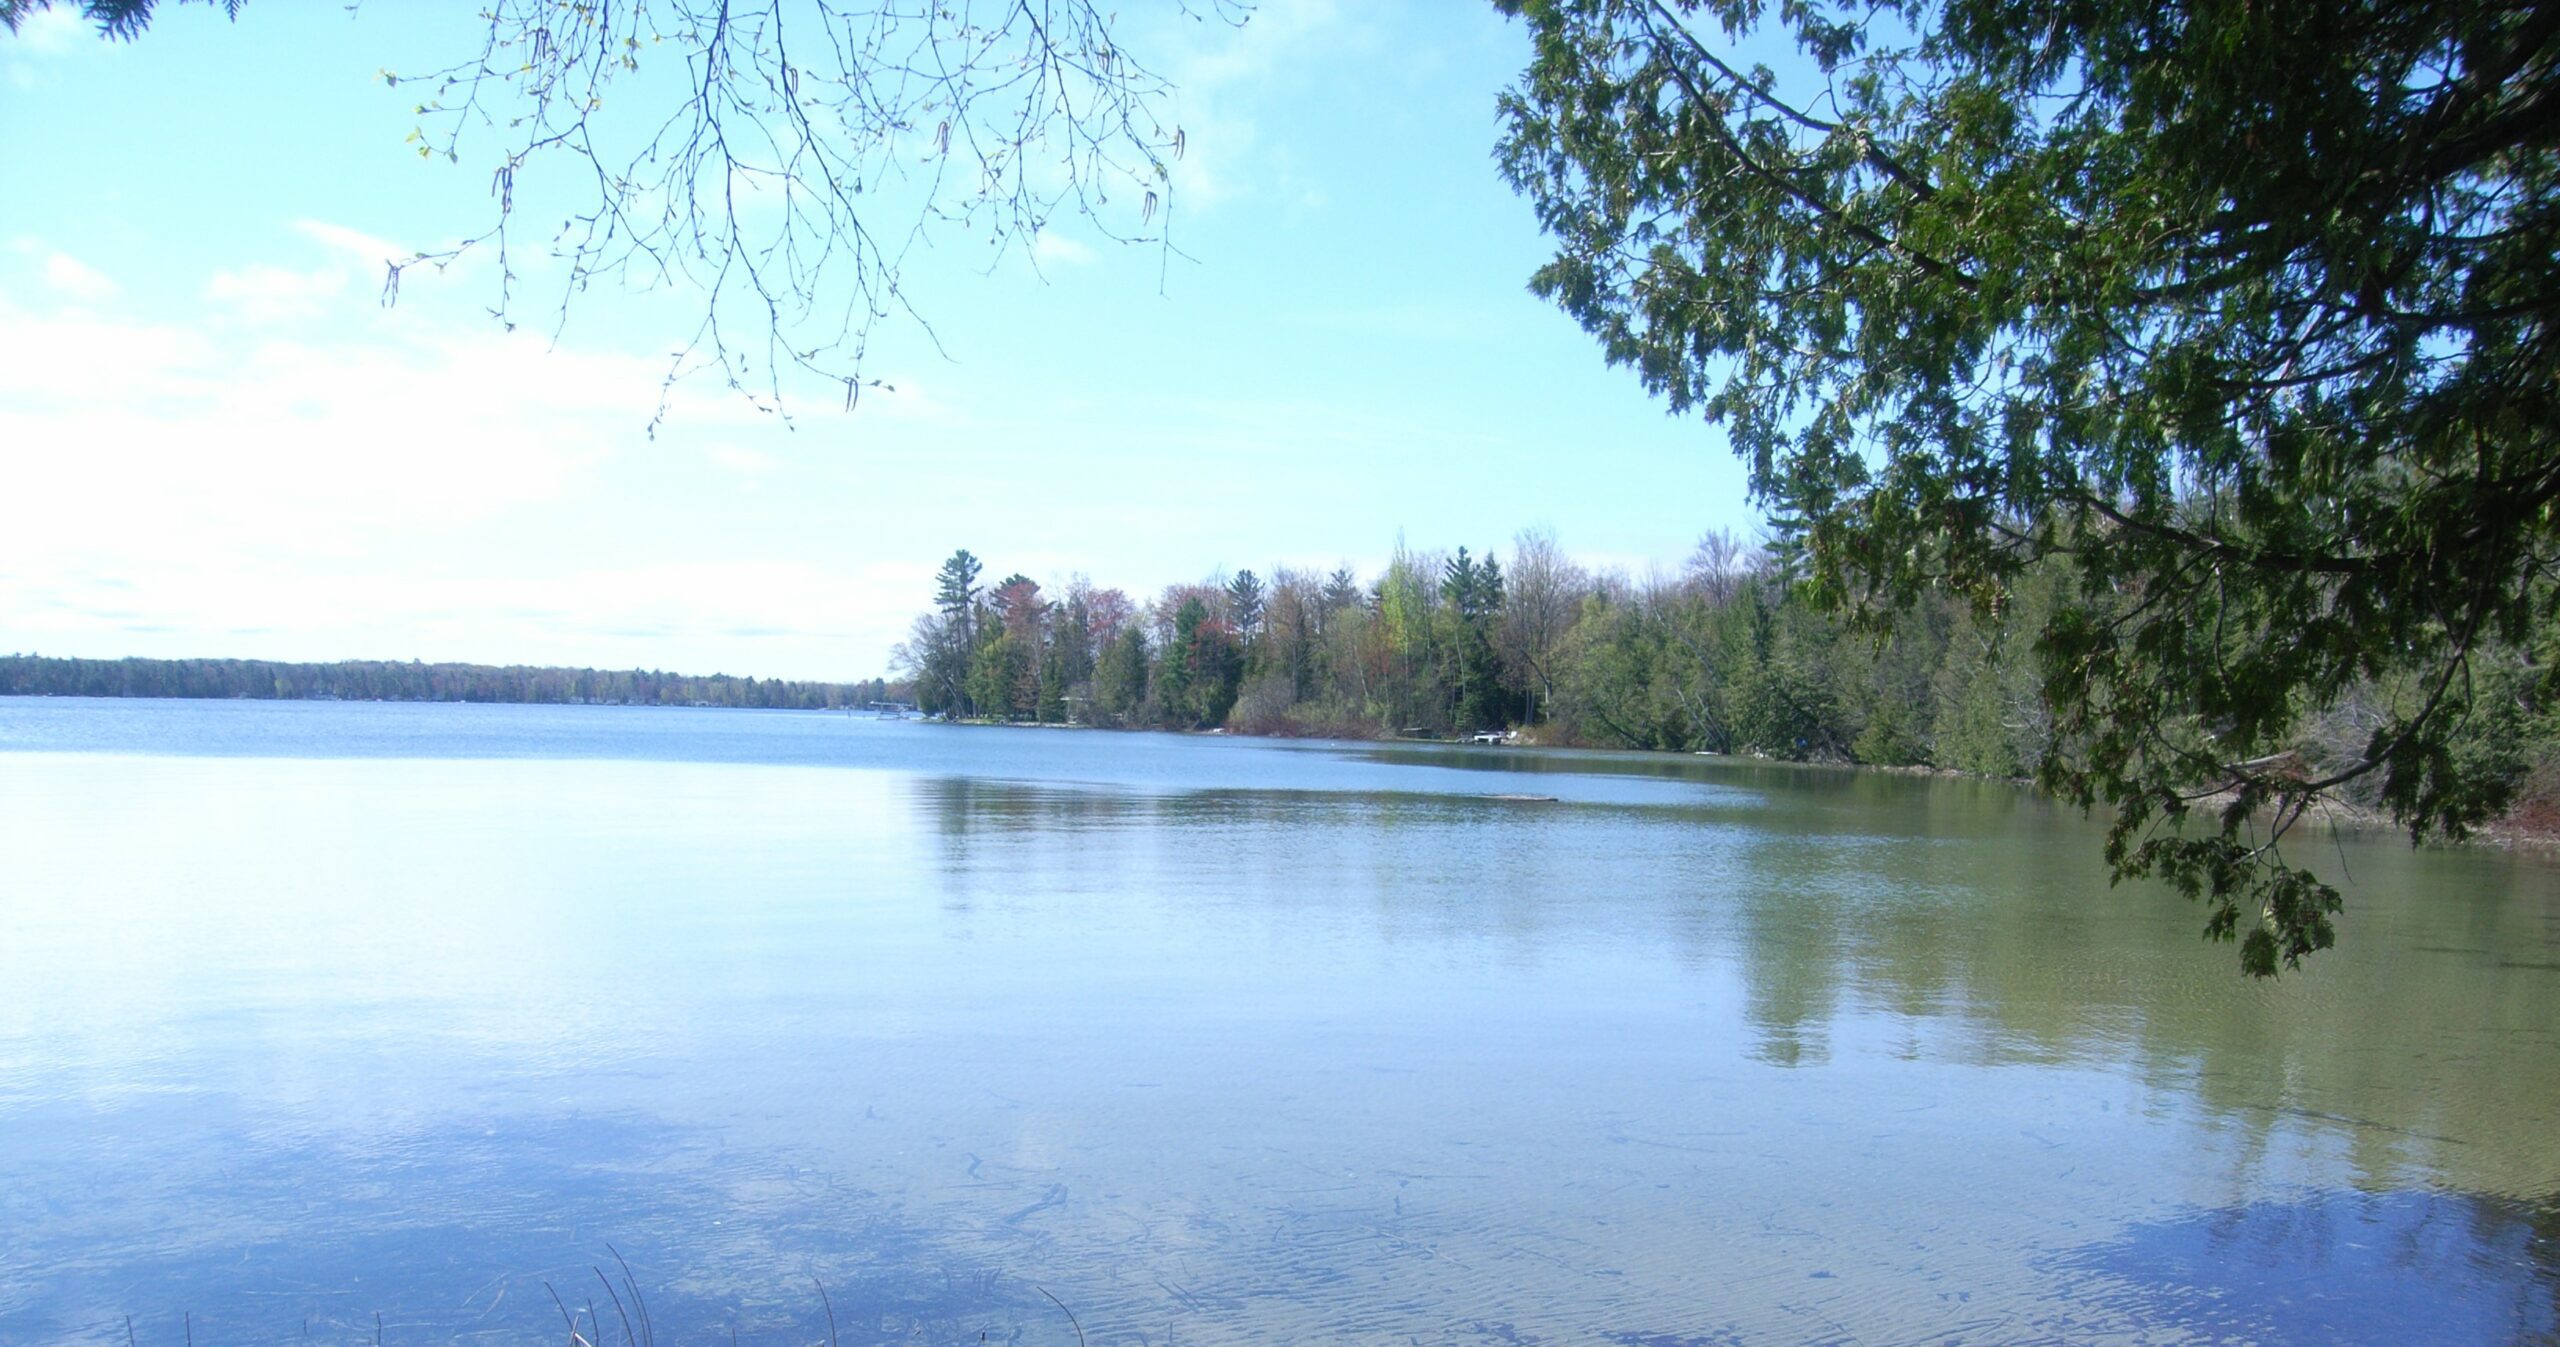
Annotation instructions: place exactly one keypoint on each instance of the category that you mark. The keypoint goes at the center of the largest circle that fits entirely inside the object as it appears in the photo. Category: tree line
(390, 681)
(1731, 652)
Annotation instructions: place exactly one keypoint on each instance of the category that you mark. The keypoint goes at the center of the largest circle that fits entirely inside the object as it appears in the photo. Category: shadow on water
(959, 806)
(2336, 1267)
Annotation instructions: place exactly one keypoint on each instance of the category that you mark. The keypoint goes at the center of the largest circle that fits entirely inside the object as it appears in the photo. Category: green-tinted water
(308, 1012)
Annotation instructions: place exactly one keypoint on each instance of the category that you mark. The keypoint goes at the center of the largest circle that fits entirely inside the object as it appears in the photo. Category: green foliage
(120, 19)
(1972, 704)
(1886, 685)
(387, 681)
(1471, 592)
(1733, 656)
(1052, 707)
(1120, 683)
(1244, 603)
(2241, 310)
(941, 652)
(996, 676)
(955, 586)
(1621, 680)
(1203, 669)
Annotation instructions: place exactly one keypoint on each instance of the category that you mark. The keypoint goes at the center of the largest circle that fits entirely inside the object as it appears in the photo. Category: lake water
(314, 1012)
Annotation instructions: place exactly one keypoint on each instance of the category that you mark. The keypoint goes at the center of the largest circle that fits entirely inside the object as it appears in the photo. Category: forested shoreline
(392, 681)
(1721, 655)
(1728, 653)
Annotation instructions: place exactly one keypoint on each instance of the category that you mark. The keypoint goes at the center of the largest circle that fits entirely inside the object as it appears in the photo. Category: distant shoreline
(418, 681)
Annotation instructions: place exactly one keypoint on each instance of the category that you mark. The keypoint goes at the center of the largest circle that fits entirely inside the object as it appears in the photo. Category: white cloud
(1218, 85)
(266, 293)
(154, 439)
(740, 460)
(76, 279)
(64, 274)
(1050, 249)
(53, 29)
(71, 358)
(335, 479)
(263, 293)
(357, 245)
(761, 616)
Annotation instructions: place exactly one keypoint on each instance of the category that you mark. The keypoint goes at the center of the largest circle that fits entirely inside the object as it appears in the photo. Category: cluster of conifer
(1730, 654)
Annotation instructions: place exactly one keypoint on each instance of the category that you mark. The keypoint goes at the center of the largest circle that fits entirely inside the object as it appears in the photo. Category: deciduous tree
(783, 160)
(1545, 590)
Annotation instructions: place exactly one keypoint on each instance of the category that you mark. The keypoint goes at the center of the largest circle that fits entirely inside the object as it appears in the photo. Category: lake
(315, 1012)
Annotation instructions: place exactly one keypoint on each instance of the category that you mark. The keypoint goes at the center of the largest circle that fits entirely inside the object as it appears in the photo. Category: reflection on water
(2337, 1267)
(308, 1013)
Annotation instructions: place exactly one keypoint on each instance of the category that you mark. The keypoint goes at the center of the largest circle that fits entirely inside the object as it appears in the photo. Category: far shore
(2530, 826)
(2516, 831)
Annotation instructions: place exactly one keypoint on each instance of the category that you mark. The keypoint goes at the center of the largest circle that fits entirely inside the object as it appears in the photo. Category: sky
(217, 441)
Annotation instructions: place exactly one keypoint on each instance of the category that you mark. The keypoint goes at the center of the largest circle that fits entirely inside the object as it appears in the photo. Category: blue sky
(218, 442)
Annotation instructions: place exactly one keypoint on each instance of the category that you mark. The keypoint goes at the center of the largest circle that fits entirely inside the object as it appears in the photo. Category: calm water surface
(311, 1012)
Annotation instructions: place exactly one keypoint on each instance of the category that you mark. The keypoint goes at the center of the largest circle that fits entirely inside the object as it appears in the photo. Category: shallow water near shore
(311, 1012)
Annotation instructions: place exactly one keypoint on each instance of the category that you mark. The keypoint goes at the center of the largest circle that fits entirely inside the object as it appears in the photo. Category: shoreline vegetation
(1731, 654)
(1724, 657)
(415, 681)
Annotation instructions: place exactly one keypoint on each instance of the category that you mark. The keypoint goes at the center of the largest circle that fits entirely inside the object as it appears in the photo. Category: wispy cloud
(1224, 77)
(354, 244)
(1052, 249)
(46, 41)
(161, 439)
(267, 293)
(803, 620)
(261, 293)
(65, 275)
(76, 279)
(311, 476)
(50, 30)
(743, 461)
